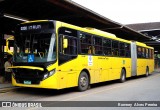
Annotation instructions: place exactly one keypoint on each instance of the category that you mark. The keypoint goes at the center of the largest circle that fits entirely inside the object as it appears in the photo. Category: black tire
(147, 72)
(83, 81)
(123, 76)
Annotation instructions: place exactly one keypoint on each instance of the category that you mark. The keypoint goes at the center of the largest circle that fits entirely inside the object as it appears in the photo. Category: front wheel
(123, 76)
(83, 81)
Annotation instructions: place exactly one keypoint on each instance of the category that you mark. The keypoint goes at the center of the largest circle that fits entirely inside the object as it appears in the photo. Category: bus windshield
(39, 47)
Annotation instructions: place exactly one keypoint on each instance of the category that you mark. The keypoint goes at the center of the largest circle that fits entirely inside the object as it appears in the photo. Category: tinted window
(122, 49)
(115, 48)
(85, 43)
(127, 50)
(143, 53)
(69, 53)
(72, 46)
(139, 52)
(97, 45)
(151, 53)
(147, 53)
(107, 47)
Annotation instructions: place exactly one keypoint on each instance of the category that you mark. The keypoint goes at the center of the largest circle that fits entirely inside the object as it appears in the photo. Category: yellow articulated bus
(56, 55)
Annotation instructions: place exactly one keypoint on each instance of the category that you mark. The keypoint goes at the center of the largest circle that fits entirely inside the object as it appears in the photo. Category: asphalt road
(134, 89)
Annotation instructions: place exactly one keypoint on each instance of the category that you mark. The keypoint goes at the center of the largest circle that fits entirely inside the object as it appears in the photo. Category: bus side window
(72, 46)
(85, 43)
(69, 52)
(115, 48)
(90, 50)
(151, 53)
(97, 45)
(122, 49)
(146, 53)
(139, 52)
(143, 53)
(107, 47)
(127, 50)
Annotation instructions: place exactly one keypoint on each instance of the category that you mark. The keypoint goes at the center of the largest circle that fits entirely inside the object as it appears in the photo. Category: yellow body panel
(150, 63)
(142, 64)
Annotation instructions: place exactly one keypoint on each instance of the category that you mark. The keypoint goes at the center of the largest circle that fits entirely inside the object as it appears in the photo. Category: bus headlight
(48, 74)
(45, 76)
(52, 72)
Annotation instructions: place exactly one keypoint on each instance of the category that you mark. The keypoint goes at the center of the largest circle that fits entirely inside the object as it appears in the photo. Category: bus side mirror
(7, 45)
(65, 43)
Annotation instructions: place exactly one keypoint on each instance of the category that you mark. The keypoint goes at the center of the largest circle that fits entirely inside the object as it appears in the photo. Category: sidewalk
(5, 86)
(157, 70)
(8, 85)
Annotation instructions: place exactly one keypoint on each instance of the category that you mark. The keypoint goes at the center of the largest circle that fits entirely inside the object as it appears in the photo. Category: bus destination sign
(30, 27)
(37, 27)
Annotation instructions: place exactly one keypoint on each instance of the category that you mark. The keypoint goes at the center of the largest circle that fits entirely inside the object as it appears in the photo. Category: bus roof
(102, 33)
(35, 21)
(143, 45)
(94, 31)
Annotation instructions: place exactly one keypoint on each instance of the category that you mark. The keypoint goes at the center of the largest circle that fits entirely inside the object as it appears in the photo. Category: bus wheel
(147, 72)
(83, 81)
(123, 76)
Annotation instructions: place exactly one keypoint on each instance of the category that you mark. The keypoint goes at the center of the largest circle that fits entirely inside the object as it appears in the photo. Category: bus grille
(22, 75)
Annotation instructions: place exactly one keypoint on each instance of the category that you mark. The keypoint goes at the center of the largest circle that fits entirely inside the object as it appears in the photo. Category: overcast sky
(125, 11)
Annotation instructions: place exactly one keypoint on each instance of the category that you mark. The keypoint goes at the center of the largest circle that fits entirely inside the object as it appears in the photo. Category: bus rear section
(142, 60)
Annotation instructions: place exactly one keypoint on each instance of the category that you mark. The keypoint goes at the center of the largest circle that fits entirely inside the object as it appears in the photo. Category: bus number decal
(90, 60)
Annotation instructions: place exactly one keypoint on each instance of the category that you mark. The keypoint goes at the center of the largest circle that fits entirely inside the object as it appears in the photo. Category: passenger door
(67, 54)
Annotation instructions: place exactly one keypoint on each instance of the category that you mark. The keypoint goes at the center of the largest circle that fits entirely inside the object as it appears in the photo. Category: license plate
(27, 82)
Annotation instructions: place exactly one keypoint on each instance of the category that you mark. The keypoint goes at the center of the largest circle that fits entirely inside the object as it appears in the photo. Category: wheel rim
(83, 81)
(123, 77)
(147, 73)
